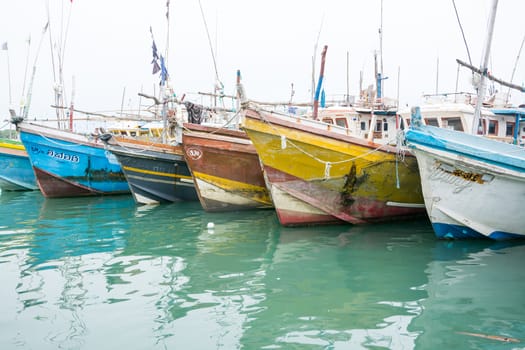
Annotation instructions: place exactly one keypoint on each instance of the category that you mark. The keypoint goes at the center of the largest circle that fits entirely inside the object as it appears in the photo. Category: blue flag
(163, 71)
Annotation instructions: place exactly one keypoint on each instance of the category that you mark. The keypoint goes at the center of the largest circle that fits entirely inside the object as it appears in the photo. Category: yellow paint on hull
(328, 162)
(255, 193)
(18, 147)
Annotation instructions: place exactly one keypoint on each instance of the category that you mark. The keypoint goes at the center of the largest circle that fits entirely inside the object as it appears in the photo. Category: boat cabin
(378, 126)
(459, 116)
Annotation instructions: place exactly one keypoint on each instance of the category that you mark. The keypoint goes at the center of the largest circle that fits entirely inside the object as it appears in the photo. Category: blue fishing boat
(16, 173)
(68, 164)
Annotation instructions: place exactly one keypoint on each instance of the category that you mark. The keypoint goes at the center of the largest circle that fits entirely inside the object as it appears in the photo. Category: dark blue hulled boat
(67, 164)
(156, 172)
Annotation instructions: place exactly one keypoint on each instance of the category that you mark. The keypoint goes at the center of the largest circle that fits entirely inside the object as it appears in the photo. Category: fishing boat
(156, 172)
(472, 185)
(68, 164)
(321, 173)
(226, 169)
(336, 165)
(16, 173)
(156, 169)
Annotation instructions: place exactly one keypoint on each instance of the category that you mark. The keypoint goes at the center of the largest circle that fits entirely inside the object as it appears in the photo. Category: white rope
(327, 167)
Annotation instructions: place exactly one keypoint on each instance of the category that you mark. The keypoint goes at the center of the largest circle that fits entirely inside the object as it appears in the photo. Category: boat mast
(380, 75)
(319, 83)
(347, 78)
(484, 68)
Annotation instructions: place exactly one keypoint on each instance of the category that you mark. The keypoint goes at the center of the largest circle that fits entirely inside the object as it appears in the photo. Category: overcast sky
(107, 48)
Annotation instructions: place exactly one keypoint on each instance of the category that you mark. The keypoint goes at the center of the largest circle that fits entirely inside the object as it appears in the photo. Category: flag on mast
(154, 62)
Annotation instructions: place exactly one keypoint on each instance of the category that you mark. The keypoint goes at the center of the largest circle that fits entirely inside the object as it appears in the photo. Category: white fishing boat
(473, 186)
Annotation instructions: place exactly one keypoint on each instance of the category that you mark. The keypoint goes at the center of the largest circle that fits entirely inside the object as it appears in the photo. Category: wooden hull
(317, 176)
(16, 173)
(156, 172)
(471, 191)
(226, 169)
(67, 164)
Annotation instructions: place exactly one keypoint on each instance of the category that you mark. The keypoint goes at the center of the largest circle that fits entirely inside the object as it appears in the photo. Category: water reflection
(75, 272)
(361, 278)
(472, 289)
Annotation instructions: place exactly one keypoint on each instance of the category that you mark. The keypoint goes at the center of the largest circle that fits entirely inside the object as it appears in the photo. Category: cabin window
(378, 126)
(341, 122)
(453, 123)
(328, 121)
(432, 121)
(363, 125)
(510, 129)
(493, 127)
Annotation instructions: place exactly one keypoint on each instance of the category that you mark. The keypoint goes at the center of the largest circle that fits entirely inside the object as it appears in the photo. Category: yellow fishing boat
(323, 172)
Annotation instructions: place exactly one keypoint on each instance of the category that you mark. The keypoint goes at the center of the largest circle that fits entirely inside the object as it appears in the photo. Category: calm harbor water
(103, 273)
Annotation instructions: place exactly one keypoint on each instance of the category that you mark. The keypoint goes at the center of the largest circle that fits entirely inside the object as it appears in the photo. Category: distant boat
(321, 172)
(156, 172)
(226, 169)
(515, 128)
(473, 186)
(458, 113)
(68, 164)
(16, 173)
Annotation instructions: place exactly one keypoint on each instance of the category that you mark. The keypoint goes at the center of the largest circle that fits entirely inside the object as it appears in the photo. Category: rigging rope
(211, 46)
(462, 32)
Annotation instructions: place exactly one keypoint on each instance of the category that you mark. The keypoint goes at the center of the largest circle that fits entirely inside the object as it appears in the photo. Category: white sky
(108, 47)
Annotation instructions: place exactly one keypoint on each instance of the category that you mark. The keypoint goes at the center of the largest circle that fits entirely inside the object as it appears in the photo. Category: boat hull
(226, 168)
(473, 187)
(156, 172)
(68, 164)
(455, 199)
(16, 173)
(317, 176)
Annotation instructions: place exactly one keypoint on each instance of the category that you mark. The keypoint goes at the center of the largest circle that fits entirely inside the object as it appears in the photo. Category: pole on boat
(319, 83)
(72, 105)
(6, 49)
(484, 68)
(347, 99)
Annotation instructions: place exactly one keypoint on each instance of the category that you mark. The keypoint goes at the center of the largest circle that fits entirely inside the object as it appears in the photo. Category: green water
(103, 273)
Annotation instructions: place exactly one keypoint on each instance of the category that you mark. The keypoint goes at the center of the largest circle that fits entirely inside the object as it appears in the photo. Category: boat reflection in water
(77, 271)
(364, 281)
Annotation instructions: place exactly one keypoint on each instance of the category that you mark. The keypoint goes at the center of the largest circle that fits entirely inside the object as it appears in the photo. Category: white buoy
(211, 225)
